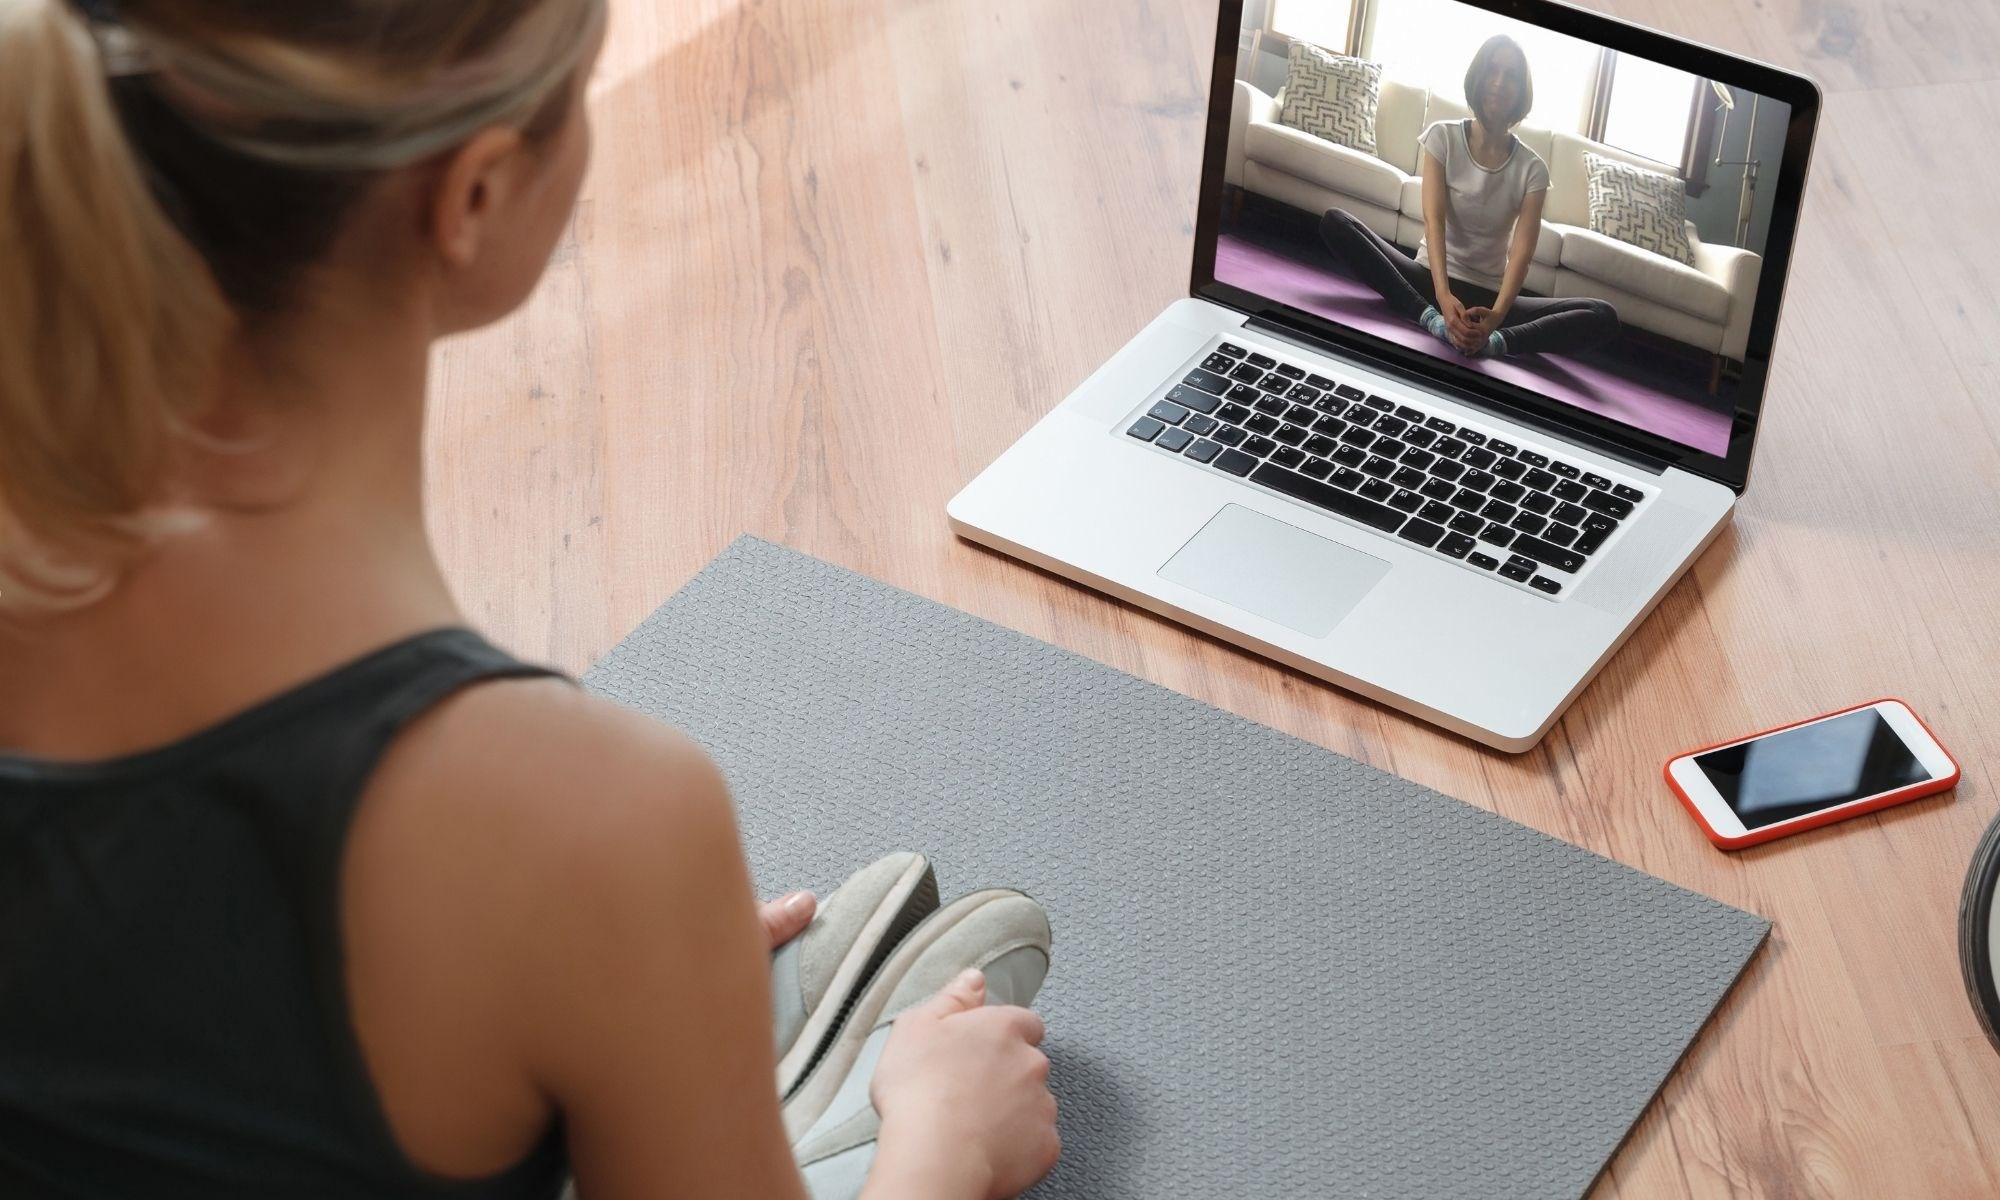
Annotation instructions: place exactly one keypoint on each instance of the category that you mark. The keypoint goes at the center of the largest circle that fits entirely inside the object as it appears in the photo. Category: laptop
(1462, 528)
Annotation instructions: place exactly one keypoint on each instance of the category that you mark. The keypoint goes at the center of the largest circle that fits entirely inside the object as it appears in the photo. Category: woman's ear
(477, 184)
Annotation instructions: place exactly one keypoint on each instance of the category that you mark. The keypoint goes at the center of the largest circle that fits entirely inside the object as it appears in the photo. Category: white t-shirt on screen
(1482, 204)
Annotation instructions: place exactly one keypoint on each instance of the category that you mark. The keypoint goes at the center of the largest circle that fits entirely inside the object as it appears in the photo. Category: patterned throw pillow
(1331, 96)
(1644, 208)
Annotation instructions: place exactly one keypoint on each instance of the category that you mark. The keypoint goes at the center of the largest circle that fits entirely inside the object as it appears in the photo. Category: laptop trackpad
(1281, 573)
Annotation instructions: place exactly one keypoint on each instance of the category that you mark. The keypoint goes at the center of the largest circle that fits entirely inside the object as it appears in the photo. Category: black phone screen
(1798, 771)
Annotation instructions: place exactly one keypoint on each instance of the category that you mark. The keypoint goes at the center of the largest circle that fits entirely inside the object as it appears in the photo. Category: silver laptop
(1465, 528)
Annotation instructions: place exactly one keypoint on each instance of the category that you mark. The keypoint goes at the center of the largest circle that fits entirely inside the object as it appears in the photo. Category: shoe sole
(858, 1019)
(914, 897)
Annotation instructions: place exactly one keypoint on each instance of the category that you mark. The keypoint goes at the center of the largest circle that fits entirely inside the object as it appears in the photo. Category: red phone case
(1784, 829)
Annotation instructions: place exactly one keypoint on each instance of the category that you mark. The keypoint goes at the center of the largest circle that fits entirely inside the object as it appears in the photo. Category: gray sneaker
(817, 975)
(829, 1119)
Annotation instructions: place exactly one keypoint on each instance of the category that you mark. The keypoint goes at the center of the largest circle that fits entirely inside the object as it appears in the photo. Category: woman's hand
(1480, 324)
(964, 1097)
(1459, 323)
(787, 917)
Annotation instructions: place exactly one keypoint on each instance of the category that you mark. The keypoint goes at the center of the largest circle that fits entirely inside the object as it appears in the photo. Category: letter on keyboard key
(1347, 504)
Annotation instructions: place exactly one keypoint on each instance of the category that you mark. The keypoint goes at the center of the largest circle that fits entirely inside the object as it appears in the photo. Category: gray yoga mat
(1277, 972)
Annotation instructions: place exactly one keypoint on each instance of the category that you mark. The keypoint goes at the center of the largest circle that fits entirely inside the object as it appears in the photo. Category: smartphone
(1811, 773)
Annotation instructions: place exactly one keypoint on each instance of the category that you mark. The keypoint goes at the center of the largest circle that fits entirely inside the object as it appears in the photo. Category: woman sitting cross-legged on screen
(1480, 183)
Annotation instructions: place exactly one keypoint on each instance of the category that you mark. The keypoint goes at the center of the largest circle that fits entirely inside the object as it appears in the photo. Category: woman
(305, 890)
(1480, 183)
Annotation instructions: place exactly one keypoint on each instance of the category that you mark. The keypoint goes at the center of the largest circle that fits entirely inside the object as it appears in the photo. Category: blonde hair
(128, 253)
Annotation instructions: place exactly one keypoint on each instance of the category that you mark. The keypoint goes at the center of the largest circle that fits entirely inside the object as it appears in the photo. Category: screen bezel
(1694, 784)
(1732, 468)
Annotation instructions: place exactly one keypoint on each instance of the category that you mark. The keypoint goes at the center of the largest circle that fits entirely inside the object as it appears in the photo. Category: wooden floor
(835, 255)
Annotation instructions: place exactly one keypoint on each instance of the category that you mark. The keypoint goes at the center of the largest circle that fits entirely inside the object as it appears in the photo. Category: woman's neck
(1487, 145)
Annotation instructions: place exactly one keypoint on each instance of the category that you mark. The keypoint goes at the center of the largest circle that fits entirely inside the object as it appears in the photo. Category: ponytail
(109, 321)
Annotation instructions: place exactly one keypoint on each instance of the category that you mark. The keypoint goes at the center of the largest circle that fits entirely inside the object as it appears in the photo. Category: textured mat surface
(1278, 972)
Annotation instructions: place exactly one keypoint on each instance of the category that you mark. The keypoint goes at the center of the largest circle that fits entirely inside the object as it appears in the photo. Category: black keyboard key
(1517, 572)
(1389, 447)
(1407, 477)
(1330, 426)
(1478, 481)
(1420, 437)
(1299, 414)
(1235, 414)
(1230, 435)
(1422, 532)
(1357, 436)
(1469, 500)
(1378, 516)
(1167, 413)
(1237, 463)
(1259, 423)
(1207, 381)
(1548, 554)
(1412, 415)
(1589, 542)
(1319, 381)
(1173, 439)
(1538, 502)
(1472, 437)
(1510, 492)
(1543, 583)
(1569, 514)
(1386, 405)
(1450, 448)
(1349, 478)
(1290, 435)
(1349, 456)
(1570, 489)
(1561, 535)
(1598, 481)
(1348, 391)
(1232, 350)
(1625, 492)
(1439, 425)
(1291, 372)
(1242, 393)
(1217, 362)
(1531, 458)
(1391, 426)
(1331, 405)
(1466, 522)
(1247, 373)
(1498, 511)
(1204, 450)
(1503, 449)
(1564, 469)
(1318, 468)
(1262, 360)
(1448, 470)
(1199, 425)
(1406, 501)
(1456, 545)
(1260, 446)
(1285, 456)
(1434, 511)
(1528, 522)
(1599, 522)
(1377, 466)
(1189, 398)
(1538, 479)
(1275, 406)
(1485, 562)
(1478, 457)
(1320, 444)
(1609, 505)
(1508, 468)
(1420, 459)
(1438, 489)
(1497, 534)
(1145, 429)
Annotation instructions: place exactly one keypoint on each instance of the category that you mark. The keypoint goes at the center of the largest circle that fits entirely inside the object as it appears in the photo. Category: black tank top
(173, 1016)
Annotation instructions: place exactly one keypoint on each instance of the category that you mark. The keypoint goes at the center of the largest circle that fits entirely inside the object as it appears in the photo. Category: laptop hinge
(1637, 459)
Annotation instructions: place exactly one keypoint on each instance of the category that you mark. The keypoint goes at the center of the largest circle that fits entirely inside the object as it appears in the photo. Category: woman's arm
(1437, 197)
(1527, 231)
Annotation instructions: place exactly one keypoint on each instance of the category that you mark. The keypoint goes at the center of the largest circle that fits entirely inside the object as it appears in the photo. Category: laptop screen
(1521, 211)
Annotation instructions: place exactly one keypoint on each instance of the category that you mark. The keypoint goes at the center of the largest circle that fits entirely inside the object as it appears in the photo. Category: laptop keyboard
(1514, 511)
